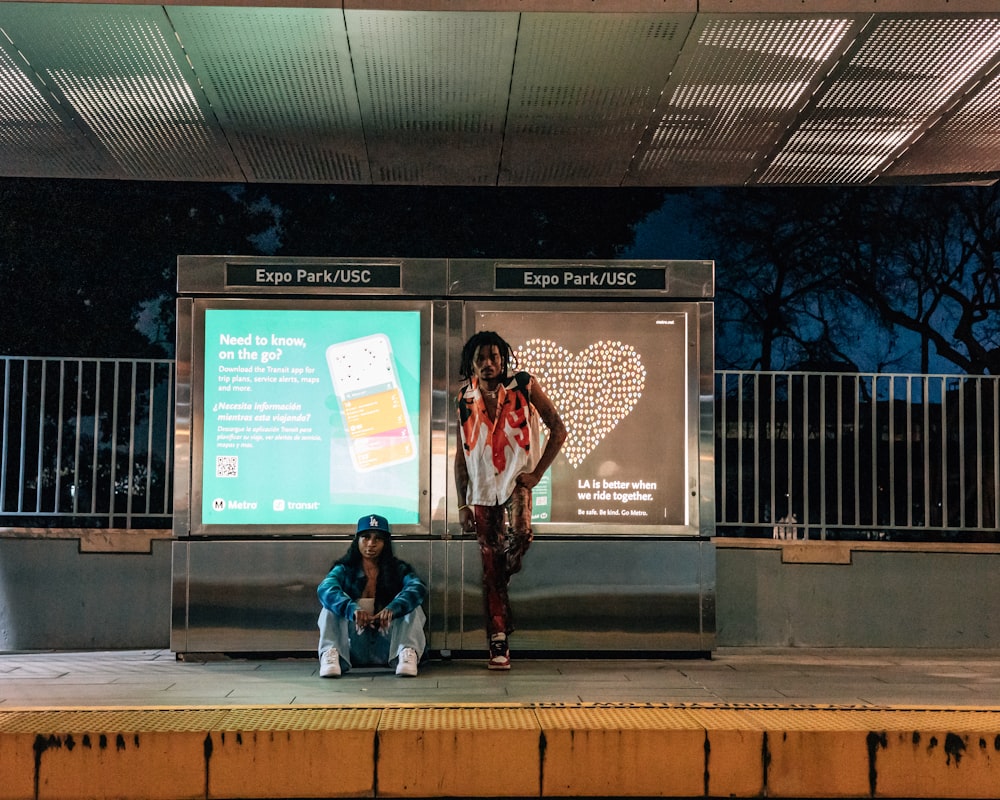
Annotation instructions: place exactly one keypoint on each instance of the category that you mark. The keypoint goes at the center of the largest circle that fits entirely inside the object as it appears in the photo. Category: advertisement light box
(310, 416)
(620, 382)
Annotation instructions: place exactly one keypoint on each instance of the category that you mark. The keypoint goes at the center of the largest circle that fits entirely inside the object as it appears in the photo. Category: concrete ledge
(96, 540)
(815, 551)
(547, 750)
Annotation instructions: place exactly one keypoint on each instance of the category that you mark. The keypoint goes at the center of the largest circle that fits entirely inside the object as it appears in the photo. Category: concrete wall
(68, 593)
(54, 596)
(813, 594)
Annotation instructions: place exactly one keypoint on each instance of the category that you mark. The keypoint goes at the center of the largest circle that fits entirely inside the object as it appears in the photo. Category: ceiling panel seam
(837, 63)
(650, 123)
(958, 101)
(208, 101)
(357, 92)
(510, 92)
(49, 93)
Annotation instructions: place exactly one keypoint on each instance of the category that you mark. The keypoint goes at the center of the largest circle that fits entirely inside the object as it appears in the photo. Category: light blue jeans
(370, 648)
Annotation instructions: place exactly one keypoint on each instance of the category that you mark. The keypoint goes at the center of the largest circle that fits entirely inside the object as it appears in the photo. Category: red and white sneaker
(499, 653)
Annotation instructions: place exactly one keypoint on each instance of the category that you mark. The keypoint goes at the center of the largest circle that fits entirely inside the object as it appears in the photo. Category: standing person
(498, 461)
(371, 613)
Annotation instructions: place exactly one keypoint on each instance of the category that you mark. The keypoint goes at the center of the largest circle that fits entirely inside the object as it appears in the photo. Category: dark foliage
(82, 262)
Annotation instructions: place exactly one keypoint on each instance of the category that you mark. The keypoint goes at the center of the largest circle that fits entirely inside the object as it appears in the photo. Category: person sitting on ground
(372, 614)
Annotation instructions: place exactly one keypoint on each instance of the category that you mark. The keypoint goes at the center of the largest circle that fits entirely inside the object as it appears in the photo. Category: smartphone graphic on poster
(366, 385)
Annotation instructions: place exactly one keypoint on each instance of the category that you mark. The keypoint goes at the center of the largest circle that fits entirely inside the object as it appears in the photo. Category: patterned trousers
(504, 535)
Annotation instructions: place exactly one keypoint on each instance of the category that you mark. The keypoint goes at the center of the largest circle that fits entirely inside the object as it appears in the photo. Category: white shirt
(498, 450)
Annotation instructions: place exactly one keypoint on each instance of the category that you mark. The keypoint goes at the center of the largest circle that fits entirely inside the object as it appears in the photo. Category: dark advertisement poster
(619, 383)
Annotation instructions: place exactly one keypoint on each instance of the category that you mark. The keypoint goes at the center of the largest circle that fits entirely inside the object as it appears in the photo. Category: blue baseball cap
(373, 522)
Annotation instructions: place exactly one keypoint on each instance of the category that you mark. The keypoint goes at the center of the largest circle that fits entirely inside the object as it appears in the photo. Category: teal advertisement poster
(310, 416)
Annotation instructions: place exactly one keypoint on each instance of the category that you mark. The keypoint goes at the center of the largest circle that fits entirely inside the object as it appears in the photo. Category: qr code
(227, 466)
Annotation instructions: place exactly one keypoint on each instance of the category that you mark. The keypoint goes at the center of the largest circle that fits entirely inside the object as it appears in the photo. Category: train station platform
(790, 723)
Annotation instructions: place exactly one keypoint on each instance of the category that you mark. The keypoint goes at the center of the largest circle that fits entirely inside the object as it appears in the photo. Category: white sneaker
(407, 662)
(329, 664)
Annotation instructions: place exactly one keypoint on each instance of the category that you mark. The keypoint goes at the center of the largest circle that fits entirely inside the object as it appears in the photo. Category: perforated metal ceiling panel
(584, 89)
(503, 92)
(433, 89)
(281, 84)
(739, 83)
(965, 143)
(37, 138)
(901, 75)
(121, 72)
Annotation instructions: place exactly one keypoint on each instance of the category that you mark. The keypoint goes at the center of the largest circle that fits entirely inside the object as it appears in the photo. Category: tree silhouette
(779, 302)
(935, 273)
(79, 258)
(461, 222)
(830, 278)
(89, 267)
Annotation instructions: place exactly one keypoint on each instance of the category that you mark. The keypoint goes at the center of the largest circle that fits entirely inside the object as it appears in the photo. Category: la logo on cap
(373, 522)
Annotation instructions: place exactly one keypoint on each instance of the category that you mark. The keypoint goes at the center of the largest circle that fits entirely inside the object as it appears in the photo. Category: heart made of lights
(593, 390)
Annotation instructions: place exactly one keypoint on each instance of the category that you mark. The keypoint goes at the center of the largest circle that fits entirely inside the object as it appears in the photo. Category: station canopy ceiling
(600, 93)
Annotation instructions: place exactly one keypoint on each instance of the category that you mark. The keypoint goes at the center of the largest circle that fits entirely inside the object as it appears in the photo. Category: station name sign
(357, 276)
(581, 278)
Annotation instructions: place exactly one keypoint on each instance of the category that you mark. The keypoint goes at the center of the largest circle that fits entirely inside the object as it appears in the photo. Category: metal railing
(86, 442)
(874, 456)
(89, 443)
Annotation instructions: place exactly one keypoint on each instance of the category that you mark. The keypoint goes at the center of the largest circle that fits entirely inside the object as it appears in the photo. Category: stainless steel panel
(594, 596)
(442, 415)
(249, 596)
(706, 425)
(198, 275)
(685, 280)
(182, 419)
(180, 574)
(595, 587)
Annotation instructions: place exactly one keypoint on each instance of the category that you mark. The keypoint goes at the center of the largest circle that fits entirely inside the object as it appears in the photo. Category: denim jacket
(343, 585)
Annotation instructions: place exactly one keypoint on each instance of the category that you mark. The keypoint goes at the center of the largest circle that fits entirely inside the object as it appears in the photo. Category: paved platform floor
(789, 723)
(871, 678)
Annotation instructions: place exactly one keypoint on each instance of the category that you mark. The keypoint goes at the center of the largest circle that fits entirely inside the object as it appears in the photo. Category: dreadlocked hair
(486, 339)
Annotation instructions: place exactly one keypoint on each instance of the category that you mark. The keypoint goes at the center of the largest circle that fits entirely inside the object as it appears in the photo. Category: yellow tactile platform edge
(462, 750)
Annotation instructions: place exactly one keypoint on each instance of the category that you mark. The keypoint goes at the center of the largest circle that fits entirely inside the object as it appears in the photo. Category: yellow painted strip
(454, 750)
(292, 752)
(931, 753)
(17, 761)
(734, 752)
(622, 751)
(458, 752)
(943, 763)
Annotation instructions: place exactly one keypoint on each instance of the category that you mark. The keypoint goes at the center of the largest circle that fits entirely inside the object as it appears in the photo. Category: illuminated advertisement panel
(620, 381)
(311, 416)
